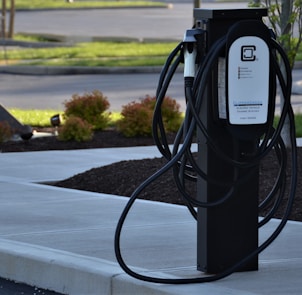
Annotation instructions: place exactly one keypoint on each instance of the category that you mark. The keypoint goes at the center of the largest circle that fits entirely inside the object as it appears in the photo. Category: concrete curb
(65, 271)
(42, 70)
(70, 40)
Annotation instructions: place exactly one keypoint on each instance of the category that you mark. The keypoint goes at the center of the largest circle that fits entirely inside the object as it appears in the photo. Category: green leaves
(284, 15)
(137, 116)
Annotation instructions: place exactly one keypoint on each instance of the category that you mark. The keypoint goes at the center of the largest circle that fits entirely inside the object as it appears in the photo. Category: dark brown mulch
(116, 179)
(103, 139)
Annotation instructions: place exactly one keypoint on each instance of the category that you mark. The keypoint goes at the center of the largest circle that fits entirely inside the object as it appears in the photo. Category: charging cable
(181, 158)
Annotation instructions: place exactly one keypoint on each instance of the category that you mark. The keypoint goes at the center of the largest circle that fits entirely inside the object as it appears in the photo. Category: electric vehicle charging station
(229, 232)
(231, 68)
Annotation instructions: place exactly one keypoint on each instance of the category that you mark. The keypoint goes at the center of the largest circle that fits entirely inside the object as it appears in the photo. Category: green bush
(90, 107)
(77, 129)
(137, 116)
(136, 120)
(5, 131)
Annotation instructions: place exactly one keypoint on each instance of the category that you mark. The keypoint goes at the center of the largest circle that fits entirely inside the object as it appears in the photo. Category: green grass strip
(93, 54)
(59, 4)
(32, 117)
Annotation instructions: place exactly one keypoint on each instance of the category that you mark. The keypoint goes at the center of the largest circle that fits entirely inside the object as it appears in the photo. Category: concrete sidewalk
(62, 239)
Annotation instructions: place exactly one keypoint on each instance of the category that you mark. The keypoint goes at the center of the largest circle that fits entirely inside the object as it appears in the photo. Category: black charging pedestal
(229, 232)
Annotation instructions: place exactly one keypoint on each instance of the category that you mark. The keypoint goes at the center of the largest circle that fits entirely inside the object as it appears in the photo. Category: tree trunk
(3, 18)
(285, 27)
(11, 19)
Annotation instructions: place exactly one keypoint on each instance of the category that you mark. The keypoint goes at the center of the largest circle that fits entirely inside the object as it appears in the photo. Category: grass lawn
(103, 53)
(55, 4)
(92, 54)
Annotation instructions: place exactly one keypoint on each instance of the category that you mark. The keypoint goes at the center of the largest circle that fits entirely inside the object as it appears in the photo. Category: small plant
(137, 117)
(136, 120)
(77, 129)
(5, 131)
(90, 107)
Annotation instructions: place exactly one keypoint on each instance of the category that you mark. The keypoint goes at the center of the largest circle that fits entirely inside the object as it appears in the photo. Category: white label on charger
(248, 81)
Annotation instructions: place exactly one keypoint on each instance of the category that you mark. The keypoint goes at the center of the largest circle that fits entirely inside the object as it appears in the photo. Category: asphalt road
(12, 288)
(50, 92)
(141, 23)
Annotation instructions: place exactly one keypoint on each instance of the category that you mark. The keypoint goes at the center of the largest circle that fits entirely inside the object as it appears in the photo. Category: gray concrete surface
(62, 239)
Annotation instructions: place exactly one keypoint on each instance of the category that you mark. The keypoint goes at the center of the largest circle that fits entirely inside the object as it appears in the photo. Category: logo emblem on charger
(248, 53)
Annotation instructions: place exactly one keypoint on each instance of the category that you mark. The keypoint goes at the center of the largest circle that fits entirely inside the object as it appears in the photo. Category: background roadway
(141, 23)
(49, 92)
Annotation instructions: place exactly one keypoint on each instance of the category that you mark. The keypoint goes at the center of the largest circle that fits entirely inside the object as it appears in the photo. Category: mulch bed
(115, 179)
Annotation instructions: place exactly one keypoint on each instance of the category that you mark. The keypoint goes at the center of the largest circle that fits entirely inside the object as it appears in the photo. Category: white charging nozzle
(190, 52)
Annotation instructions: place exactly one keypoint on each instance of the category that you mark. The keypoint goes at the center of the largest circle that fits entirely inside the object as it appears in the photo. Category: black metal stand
(229, 232)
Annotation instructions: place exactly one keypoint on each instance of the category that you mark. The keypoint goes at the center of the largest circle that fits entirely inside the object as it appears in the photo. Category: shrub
(90, 107)
(5, 131)
(171, 115)
(136, 120)
(77, 129)
(137, 116)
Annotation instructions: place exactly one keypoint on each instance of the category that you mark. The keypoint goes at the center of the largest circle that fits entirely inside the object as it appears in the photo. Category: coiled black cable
(181, 155)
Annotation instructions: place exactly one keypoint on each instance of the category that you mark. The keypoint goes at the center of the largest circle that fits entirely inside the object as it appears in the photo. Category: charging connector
(190, 43)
